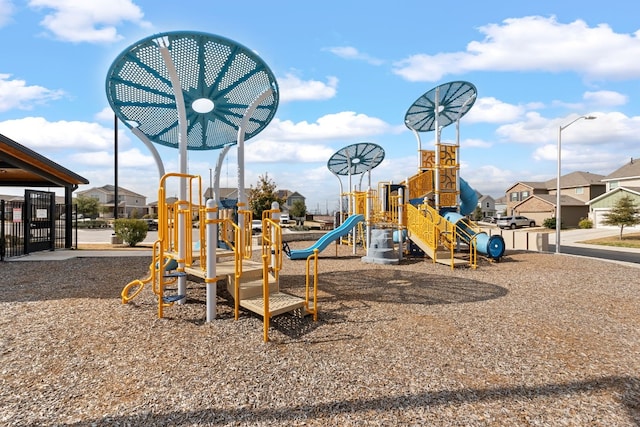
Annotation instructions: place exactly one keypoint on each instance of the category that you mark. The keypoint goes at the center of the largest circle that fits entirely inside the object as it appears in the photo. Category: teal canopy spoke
(454, 100)
(225, 74)
(356, 159)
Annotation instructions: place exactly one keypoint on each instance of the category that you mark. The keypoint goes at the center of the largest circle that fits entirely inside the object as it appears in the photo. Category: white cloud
(15, 94)
(605, 98)
(41, 135)
(349, 52)
(293, 88)
(492, 110)
(274, 151)
(87, 21)
(105, 115)
(6, 12)
(132, 158)
(534, 43)
(346, 124)
(489, 179)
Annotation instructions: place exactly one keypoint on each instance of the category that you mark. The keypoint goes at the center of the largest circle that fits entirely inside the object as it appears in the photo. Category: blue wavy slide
(325, 240)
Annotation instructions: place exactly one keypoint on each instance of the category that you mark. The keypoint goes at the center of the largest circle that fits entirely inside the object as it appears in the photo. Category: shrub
(551, 223)
(585, 223)
(131, 231)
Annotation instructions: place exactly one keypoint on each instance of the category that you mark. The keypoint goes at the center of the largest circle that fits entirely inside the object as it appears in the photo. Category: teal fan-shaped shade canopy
(356, 159)
(219, 80)
(455, 99)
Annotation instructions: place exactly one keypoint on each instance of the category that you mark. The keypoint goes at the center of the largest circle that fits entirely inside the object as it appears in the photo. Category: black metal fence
(34, 225)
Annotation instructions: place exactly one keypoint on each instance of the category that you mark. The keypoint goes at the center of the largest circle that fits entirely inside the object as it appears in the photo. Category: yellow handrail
(313, 310)
(265, 295)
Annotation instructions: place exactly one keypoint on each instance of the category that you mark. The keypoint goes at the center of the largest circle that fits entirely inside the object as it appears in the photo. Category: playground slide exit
(491, 246)
(325, 240)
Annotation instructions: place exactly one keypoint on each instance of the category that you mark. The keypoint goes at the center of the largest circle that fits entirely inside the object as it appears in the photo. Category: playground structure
(429, 209)
(198, 91)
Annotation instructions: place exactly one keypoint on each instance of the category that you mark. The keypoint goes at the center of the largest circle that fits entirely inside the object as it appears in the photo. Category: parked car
(489, 219)
(515, 222)
(256, 226)
(152, 225)
(284, 218)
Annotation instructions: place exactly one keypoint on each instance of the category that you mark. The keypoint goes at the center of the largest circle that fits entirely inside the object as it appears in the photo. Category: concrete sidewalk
(574, 238)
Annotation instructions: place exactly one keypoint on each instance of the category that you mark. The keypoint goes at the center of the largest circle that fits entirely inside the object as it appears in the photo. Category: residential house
(521, 191)
(500, 205)
(289, 197)
(153, 206)
(537, 200)
(487, 206)
(622, 182)
(129, 202)
(231, 195)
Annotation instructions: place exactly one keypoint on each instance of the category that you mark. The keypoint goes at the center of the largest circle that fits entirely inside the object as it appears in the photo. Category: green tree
(261, 197)
(88, 206)
(624, 213)
(298, 211)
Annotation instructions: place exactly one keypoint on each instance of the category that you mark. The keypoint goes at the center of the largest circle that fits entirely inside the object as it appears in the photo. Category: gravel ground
(536, 339)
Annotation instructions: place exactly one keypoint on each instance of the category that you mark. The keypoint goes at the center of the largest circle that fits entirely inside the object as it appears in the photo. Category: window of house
(525, 194)
(514, 197)
(614, 184)
(579, 190)
(487, 204)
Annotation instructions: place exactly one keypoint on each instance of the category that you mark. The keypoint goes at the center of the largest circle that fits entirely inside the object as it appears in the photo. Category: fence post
(2, 236)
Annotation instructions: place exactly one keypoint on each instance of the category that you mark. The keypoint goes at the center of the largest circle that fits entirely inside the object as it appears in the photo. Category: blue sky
(347, 72)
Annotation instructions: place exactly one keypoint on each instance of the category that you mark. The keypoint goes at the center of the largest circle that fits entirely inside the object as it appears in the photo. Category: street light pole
(558, 204)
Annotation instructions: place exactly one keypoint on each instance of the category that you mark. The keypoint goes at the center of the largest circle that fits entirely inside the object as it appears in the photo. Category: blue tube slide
(325, 240)
(490, 246)
(468, 198)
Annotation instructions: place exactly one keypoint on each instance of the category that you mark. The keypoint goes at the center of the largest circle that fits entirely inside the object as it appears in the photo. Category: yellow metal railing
(169, 215)
(309, 293)
(247, 250)
(420, 185)
(272, 243)
(426, 224)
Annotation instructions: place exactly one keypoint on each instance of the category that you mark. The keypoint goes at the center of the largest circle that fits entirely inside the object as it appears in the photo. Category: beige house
(537, 200)
(129, 202)
(542, 206)
(521, 191)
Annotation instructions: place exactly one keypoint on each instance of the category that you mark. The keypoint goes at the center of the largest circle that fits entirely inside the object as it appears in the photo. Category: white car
(515, 222)
(256, 226)
(284, 218)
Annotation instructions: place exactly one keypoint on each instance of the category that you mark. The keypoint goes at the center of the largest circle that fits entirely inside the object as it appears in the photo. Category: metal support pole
(559, 171)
